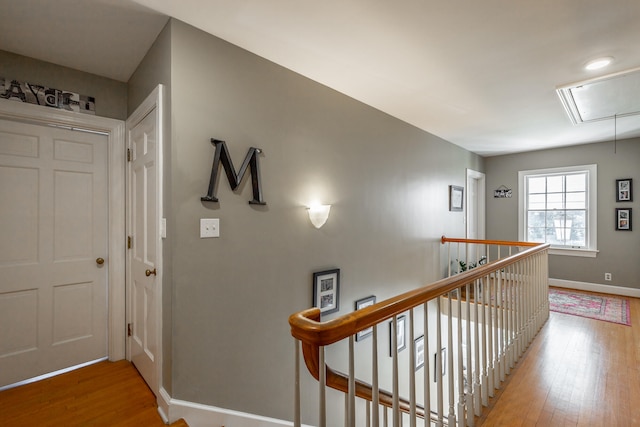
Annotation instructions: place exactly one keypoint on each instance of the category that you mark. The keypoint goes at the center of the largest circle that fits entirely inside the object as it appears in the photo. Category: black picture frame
(623, 219)
(401, 338)
(443, 361)
(456, 198)
(360, 304)
(419, 352)
(326, 290)
(624, 190)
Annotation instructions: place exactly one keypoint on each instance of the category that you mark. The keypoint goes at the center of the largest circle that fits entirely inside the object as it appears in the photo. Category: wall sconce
(318, 214)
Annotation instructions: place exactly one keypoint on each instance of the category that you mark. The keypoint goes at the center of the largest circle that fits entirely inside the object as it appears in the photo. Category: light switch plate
(209, 227)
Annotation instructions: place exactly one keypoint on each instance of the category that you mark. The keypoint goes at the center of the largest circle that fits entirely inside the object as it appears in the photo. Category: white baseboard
(164, 400)
(595, 287)
(198, 415)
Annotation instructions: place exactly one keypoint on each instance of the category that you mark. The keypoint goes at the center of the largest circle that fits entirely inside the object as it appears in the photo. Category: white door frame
(115, 130)
(153, 104)
(480, 205)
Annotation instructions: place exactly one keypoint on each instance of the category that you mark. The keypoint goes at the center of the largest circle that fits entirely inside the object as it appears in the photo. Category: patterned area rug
(599, 307)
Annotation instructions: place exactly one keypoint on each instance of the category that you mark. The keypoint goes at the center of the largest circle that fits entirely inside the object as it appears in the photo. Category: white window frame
(592, 212)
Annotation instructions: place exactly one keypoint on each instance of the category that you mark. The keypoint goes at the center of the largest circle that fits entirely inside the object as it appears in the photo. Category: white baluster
(489, 331)
(438, 373)
(452, 399)
(469, 398)
(394, 352)
(412, 373)
(351, 403)
(426, 368)
(296, 415)
(461, 396)
(322, 383)
(484, 283)
(375, 396)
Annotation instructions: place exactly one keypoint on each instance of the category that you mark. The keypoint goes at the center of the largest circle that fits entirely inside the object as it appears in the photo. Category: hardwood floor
(105, 394)
(577, 372)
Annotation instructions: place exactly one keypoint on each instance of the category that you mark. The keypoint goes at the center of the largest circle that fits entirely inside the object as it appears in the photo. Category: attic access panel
(615, 95)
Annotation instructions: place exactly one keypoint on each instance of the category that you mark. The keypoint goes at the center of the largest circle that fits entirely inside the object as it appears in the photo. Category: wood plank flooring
(105, 394)
(577, 372)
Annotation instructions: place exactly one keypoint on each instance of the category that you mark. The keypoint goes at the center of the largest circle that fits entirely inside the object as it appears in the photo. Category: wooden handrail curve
(307, 327)
(445, 239)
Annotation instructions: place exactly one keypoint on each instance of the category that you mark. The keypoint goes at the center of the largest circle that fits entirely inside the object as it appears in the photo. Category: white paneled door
(144, 270)
(53, 249)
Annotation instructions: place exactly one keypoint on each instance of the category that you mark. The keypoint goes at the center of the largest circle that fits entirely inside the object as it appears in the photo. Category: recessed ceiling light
(596, 64)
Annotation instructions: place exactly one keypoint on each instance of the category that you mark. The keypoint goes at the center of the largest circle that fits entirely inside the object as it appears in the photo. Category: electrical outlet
(607, 277)
(209, 227)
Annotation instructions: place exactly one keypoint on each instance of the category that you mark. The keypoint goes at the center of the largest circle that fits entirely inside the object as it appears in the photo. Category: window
(558, 206)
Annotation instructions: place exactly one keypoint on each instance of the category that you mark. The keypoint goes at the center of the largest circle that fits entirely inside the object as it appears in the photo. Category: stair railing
(480, 319)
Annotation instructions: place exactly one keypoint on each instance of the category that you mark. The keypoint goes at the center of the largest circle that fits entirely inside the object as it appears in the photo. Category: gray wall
(111, 95)
(386, 180)
(618, 250)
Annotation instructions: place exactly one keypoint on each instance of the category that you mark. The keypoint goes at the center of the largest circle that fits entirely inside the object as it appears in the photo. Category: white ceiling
(480, 74)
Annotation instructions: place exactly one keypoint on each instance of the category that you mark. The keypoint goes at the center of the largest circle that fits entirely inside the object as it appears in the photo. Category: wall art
(360, 304)
(221, 155)
(455, 198)
(623, 219)
(502, 192)
(442, 355)
(401, 334)
(624, 190)
(31, 93)
(326, 290)
(419, 352)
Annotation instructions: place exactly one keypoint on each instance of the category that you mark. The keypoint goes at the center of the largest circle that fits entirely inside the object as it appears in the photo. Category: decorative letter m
(222, 155)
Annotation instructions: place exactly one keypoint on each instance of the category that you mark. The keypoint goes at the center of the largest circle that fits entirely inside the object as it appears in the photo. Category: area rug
(599, 307)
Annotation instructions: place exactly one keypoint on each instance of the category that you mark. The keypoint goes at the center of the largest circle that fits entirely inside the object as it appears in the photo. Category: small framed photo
(419, 349)
(442, 355)
(624, 190)
(623, 219)
(326, 290)
(455, 198)
(401, 335)
(362, 303)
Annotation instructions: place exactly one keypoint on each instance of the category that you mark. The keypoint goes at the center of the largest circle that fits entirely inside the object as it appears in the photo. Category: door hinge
(129, 329)
(129, 242)
(128, 154)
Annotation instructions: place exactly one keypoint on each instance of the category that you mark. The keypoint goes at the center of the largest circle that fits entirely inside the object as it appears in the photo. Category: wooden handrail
(445, 239)
(307, 327)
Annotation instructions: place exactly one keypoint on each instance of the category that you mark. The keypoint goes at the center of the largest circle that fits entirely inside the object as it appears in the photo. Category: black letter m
(222, 155)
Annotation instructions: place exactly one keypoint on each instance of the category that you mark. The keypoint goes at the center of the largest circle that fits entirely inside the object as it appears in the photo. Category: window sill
(586, 253)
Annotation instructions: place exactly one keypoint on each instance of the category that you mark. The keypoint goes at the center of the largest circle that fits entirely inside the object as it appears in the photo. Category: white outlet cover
(209, 227)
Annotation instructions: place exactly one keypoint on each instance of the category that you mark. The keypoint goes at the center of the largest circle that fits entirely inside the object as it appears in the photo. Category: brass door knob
(99, 261)
(150, 272)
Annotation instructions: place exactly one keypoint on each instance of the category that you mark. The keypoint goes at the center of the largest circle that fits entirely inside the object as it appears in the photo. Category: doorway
(62, 276)
(475, 215)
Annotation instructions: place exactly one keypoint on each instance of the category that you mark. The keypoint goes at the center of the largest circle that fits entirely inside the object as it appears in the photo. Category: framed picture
(455, 198)
(624, 190)
(623, 219)
(443, 359)
(419, 350)
(401, 335)
(362, 303)
(326, 290)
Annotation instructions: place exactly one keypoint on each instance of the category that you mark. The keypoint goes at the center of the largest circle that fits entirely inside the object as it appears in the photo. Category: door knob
(99, 261)
(150, 272)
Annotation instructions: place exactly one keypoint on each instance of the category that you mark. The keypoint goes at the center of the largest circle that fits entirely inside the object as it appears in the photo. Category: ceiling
(480, 74)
